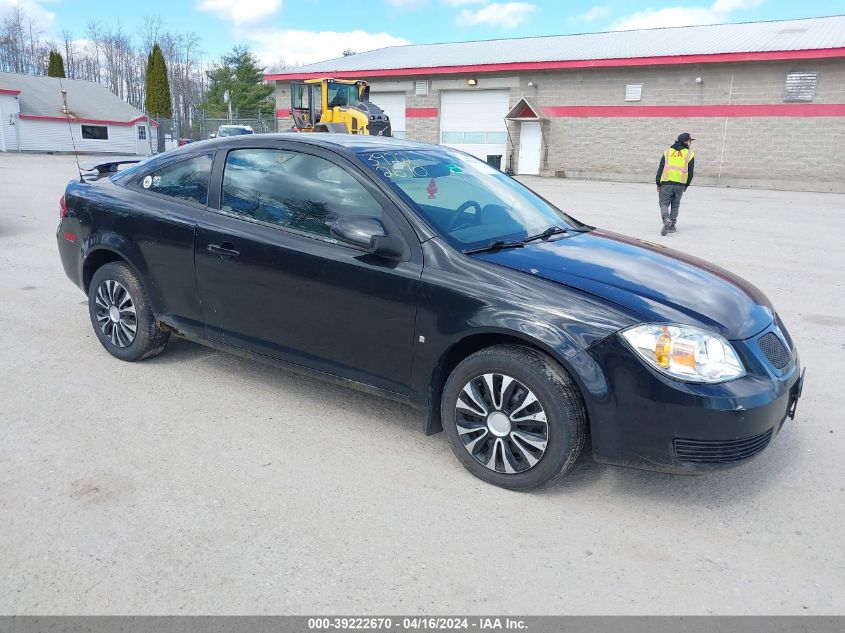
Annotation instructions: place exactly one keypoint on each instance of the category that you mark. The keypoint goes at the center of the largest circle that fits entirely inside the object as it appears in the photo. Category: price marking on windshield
(396, 165)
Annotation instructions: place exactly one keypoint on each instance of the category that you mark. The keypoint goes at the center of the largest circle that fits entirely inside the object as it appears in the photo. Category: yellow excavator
(336, 105)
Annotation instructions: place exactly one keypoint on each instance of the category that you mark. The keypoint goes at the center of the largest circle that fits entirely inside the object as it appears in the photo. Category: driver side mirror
(369, 234)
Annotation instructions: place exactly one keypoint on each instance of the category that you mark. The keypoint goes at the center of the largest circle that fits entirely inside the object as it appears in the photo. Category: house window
(142, 132)
(800, 86)
(95, 132)
(633, 92)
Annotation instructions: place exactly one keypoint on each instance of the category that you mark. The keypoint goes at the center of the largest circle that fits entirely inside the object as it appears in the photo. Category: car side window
(293, 190)
(185, 180)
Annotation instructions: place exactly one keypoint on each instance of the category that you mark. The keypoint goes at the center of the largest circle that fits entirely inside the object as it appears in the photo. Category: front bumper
(643, 419)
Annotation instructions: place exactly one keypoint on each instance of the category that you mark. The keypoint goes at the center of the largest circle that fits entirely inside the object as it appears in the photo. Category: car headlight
(685, 352)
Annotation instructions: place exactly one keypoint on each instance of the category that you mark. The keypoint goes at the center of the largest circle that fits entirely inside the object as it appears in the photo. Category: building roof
(41, 97)
(810, 37)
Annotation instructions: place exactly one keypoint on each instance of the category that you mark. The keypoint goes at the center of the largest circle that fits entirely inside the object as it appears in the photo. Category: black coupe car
(425, 275)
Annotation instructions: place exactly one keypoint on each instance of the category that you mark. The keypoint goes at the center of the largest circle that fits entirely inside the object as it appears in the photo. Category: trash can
(495, 160)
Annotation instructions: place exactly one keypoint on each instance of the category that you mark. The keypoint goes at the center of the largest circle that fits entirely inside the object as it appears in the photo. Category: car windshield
(468, 202)
(233, 131)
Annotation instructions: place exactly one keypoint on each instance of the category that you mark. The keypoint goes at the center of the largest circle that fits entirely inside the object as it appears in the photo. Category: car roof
(339, 142)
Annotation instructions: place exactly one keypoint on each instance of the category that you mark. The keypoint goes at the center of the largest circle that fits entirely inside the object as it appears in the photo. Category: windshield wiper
(552, 230)
(494, 246)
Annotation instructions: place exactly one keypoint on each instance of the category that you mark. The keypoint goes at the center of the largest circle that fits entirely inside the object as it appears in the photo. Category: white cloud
(506, 14)
(240, 11)
(304, 47)
(41, 17)
(461, 3)
(591, 15)
(683, 16)
(406, 4)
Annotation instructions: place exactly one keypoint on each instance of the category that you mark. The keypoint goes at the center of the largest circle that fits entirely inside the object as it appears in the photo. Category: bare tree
(72, 55)
(110, 56)
(19, 40)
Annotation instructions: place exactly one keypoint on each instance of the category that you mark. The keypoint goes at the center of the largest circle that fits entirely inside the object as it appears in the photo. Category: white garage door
(474, 121)
(393, 103)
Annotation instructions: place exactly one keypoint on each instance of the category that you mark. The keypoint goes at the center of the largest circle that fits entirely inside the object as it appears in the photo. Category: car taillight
(62, 207)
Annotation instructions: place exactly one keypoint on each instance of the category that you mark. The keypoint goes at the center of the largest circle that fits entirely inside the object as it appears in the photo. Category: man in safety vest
(674, 175)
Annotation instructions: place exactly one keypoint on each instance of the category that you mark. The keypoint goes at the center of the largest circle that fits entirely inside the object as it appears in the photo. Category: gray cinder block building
(764, 100)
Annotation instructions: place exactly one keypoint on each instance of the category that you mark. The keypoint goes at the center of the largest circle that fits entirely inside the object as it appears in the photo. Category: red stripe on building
(675, 111)
(282, 112)
(574, 63)
(38, 117)
(420, 112)
(9, 91)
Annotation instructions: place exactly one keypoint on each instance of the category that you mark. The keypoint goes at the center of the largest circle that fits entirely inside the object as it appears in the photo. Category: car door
(272, 280)
(152, 215)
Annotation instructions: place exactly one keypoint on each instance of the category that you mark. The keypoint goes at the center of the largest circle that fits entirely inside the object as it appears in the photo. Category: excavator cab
(336, 105)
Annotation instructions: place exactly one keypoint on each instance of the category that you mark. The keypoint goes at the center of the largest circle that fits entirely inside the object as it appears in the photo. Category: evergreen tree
(56, 65)
(148, 70)
(157, 101)
(238, 72)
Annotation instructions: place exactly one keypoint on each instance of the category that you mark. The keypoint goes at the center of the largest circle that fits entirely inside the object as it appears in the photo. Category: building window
(800, 86)
(142, 132)
(633, 92)
(473, 138)
(95, 132)
(421, 87)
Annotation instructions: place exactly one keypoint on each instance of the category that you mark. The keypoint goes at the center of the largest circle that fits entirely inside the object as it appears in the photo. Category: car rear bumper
(646, 420)
(67, 238)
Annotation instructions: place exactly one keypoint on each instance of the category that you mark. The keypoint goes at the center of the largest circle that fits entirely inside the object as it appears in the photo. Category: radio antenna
(70, 129)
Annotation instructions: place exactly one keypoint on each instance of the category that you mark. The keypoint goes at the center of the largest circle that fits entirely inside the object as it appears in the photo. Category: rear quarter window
(185, 180)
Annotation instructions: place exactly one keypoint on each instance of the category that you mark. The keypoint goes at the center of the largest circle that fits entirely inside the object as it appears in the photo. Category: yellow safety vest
(676, 165)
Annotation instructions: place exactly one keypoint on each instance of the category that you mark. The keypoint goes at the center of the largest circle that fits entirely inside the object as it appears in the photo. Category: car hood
(658, 283)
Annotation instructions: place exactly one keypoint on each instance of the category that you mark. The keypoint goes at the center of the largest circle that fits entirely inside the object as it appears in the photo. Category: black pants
(669, 197)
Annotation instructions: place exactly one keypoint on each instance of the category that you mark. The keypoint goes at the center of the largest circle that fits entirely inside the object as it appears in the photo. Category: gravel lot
(199, 482)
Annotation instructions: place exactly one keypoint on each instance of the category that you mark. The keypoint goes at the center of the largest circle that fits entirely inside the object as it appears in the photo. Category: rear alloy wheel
(115, 312)
(121, 314)
(513, 416)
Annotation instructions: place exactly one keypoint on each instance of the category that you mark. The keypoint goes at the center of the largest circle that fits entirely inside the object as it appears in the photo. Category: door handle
(225, 250)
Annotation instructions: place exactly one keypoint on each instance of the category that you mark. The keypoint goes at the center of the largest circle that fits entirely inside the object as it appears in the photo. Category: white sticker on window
(156, 181)
(148, 180)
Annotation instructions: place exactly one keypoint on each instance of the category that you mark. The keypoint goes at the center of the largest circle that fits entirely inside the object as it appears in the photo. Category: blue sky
(309, 30)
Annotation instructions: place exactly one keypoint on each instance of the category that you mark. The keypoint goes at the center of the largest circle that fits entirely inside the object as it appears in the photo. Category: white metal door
(530, 147)
(142, 141)
(393, 104)
(474, 121)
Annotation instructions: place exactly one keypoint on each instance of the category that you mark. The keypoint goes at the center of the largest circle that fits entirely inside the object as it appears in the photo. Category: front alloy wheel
(514, 416)
(501, 423)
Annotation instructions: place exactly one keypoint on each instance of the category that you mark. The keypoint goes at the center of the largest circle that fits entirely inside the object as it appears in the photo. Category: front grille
(720, 451)
(774, 349)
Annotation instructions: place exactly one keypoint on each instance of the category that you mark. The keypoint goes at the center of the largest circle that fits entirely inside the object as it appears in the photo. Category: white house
(33, 118)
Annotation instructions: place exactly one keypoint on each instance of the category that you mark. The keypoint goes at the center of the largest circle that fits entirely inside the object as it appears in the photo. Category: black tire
(148, 339)
(559, 400)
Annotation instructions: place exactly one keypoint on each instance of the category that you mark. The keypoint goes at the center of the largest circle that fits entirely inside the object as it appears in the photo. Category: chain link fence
(173, 132)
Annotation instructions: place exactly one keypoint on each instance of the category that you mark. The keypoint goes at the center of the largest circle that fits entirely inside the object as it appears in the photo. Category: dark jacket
(690, 167)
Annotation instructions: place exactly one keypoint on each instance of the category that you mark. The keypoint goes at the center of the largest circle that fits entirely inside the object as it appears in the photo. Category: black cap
(686, 136)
